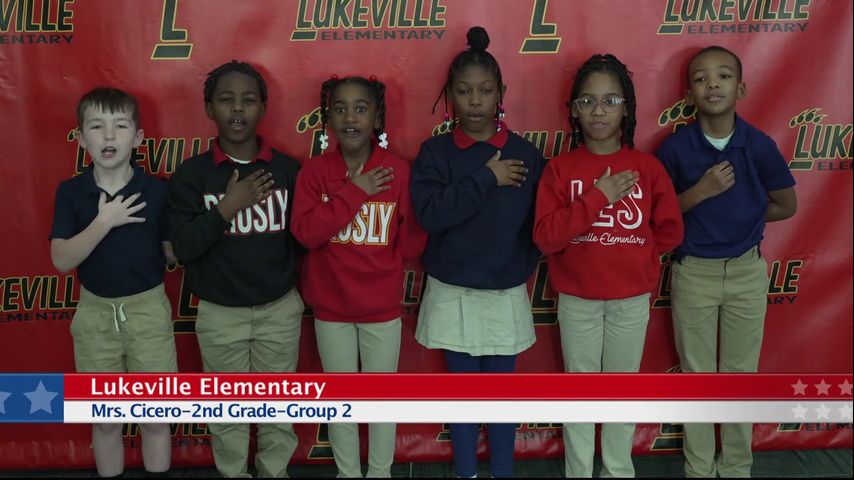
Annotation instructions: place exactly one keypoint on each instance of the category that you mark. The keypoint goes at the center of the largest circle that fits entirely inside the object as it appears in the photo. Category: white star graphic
(3, 397)
(40, 399)
(845, 412)
(800, 412)
(823, 412)
(800, 387)
(845, 388)
(823, 387)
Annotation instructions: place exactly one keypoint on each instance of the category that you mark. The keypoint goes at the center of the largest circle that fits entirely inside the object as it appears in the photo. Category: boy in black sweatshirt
(229, 216)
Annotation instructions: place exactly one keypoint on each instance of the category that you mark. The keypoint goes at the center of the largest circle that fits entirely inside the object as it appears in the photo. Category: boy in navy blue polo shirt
(108, 223)
(731, 179)
(229, 219)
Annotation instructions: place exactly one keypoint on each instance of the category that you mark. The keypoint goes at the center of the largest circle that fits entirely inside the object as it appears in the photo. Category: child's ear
(503, 90)
(689, 98)
(263, 110)
(209, 110)
(78, 135)
(137, 141)
(742, 90)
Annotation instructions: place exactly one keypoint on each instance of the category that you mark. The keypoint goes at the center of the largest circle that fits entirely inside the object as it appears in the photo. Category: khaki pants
(726, 295)
(342, 345)
(601, 336)
(264, 339)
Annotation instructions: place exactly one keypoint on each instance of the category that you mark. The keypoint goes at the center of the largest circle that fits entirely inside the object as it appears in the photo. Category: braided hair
(372, 85)
(234, 66)
(476, 54)
(606, 63)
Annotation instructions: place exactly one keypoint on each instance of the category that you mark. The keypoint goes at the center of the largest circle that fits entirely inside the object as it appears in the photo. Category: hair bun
(478, 39)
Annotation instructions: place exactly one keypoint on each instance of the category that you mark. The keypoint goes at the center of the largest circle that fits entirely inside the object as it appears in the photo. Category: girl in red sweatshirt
(605, 214)
(352, 211)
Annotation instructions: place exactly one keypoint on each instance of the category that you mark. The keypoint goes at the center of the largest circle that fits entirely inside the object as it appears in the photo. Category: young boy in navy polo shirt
(108, 223)
(730, 179)
(229, 219)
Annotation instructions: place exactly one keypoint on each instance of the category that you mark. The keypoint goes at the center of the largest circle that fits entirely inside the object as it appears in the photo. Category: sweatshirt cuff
(485, 177)
(353, 194)
(598, 198)
(217, 222)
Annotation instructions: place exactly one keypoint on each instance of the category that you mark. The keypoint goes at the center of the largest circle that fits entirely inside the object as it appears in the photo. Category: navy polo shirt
(129, 259)
(729, 224)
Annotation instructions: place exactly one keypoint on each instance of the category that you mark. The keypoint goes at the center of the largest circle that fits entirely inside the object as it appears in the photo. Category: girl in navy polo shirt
(473, 192)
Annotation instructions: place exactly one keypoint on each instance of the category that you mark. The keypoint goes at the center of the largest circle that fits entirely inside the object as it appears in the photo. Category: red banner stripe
(458, 386)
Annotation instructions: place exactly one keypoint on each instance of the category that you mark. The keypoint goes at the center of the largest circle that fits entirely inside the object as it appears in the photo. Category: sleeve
(668, 161)
(440, 204)
(772, 167)
(666, 218)
(163, 226)
(299, 248)
(192, 228)
(558, 220)
(64, 219)
(411, 238)
(314, 220)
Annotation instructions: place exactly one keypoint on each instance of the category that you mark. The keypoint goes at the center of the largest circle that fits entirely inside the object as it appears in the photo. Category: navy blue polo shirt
(729, 224)
(129, 260)
(481, 235)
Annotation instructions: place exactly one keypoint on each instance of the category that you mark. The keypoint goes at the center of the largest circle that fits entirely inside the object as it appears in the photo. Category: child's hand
(375, 180)
(507, 172)
(244, 193)
(119, 211)
(717, 179)
(169, 253)
(618, 185)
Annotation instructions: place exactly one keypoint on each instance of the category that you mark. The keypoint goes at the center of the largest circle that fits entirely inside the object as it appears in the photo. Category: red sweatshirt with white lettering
(599, 251)
(357, 243)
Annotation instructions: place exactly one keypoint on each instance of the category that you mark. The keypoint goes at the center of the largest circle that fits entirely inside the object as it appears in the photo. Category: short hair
(606, 63)
(230, 67)
(476, 54)
(108, 99)
(715, 48)
(375, 87)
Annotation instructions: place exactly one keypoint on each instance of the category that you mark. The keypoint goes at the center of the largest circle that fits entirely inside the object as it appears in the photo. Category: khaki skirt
(474, 321)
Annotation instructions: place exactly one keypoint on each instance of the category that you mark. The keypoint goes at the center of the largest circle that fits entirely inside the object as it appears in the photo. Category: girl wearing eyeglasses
(605, 214)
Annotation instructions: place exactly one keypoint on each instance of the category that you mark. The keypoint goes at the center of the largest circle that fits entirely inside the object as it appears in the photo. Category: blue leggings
(501, 436)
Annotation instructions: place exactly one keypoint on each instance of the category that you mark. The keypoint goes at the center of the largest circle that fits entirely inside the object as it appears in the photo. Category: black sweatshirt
(250, 261)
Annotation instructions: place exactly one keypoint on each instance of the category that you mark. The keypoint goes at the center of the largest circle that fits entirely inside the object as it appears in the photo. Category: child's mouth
(714, 98)
(237, 123)
(351, 132)
(108, 152)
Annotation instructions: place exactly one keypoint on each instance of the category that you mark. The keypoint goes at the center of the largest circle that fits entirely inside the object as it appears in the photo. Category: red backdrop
(797, 58)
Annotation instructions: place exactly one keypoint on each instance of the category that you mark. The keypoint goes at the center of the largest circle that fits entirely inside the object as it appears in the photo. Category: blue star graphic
(40, 399)
(3, 397)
